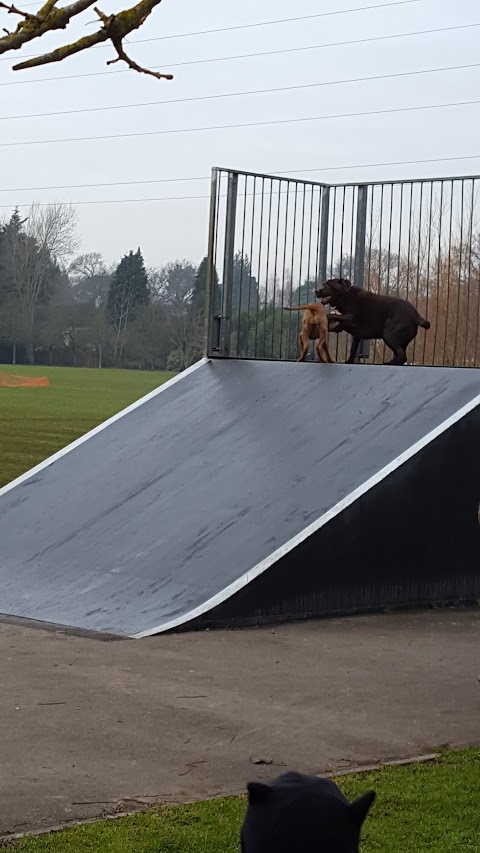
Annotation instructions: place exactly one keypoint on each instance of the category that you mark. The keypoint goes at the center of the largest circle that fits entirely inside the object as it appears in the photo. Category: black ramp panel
(152, 517)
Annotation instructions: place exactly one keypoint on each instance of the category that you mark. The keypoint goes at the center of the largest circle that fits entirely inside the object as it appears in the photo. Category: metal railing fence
(272, 240)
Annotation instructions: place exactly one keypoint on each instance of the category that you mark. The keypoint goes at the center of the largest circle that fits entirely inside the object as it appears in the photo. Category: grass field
(36, 422)
(423, 808)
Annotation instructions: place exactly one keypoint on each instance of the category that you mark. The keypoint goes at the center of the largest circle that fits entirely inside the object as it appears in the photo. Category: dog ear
(360, 807)
(346, 284)
(258, 792)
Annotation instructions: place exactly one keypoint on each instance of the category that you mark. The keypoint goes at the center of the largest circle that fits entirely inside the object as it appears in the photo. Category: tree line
(59, 308)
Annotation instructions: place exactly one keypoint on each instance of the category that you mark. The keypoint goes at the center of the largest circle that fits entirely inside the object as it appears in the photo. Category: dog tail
(423, 323)
(301, 307)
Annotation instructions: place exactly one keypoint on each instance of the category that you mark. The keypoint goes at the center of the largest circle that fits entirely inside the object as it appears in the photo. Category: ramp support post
(212, 319)
(323, 244)
(359, 266)
(231, 213)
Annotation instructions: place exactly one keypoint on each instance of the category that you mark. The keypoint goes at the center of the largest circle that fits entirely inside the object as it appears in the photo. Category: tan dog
(314, 328)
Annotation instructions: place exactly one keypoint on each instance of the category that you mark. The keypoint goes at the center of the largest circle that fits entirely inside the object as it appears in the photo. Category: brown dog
(366, 315)
(314, 328)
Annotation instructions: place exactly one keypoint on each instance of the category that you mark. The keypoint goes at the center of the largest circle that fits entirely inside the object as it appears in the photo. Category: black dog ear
(360, 807)
(258, 792)
(345, 283)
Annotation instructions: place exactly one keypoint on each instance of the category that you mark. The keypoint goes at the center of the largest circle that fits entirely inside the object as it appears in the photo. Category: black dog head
(334, 291)
(302, 814)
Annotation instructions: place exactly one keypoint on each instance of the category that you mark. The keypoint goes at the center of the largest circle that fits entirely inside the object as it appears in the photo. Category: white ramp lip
(320, 522)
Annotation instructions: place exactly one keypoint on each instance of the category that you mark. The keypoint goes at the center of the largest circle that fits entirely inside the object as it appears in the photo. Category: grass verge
(36, 422)
(420, 808)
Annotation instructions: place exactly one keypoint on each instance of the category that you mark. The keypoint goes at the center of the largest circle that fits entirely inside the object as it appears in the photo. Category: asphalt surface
(90, 728)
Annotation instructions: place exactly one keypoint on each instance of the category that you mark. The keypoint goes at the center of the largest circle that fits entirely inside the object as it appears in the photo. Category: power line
(207, 178)
(121, 200)
(247, 26)
(176, 131)
(104, 184)
(250, 92)
(349, 42)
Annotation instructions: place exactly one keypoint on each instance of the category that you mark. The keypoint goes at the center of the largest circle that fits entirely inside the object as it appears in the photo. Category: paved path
(87, 727)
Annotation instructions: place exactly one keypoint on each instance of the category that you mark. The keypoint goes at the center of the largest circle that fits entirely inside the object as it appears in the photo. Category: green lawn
(423, 808)
(36, 422)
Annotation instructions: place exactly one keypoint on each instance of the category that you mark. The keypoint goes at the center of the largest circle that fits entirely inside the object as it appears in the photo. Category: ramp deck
(178, 502)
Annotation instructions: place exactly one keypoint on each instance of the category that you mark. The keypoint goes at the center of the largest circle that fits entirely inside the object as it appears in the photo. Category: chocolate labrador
(366, 315)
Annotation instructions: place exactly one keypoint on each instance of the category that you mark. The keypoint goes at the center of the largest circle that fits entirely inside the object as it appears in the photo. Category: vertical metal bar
(302, 231)
(242, 266)
(409, 247)
(459, 282)
(252, 276)
(360, 236)
(267, 269)
(389, 250)
(318, 245)
(300, 263)
(351, 261)
(333, 220)
(334, 226)
(359, 265)
(439, 258)
(217, 301)
(449, 266)
(283, 268)
(231, 213)
(400, 223)
(310, 231)
(370, 238)
(478, 298)
(380, 256)
(469, 271)
(210, 287)
(429, 248)
(340, 273)
(370, 249)
(275, 269)
(419, 254)
(291, 271)
(323, 247)
(260, 239)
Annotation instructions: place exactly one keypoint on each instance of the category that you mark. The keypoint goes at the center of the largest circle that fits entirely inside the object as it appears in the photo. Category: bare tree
(174, 285)
(120, 314)
(51, 17)
(33, 253)
(187, 339)
(90, 278)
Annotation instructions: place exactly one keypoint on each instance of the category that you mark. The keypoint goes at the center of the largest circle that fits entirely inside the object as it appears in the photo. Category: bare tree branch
(12, 10)
(114, 28)
(122, 57)
(47, 19)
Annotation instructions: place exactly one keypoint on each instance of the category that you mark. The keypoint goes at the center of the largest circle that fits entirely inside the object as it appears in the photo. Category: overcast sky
(170, 229)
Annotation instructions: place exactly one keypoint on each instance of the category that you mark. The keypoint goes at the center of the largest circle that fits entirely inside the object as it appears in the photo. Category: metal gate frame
(224, 212)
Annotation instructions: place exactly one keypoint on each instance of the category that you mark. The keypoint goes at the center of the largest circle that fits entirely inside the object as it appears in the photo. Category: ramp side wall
(412, 540)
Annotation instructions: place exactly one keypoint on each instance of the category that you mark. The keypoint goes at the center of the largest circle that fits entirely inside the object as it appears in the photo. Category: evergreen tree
(29, 273)
(128, 292)
(9, 236)
(200, 289)
(245, 286)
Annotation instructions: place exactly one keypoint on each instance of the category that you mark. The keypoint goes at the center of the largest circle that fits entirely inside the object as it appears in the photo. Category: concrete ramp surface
(175, 505)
